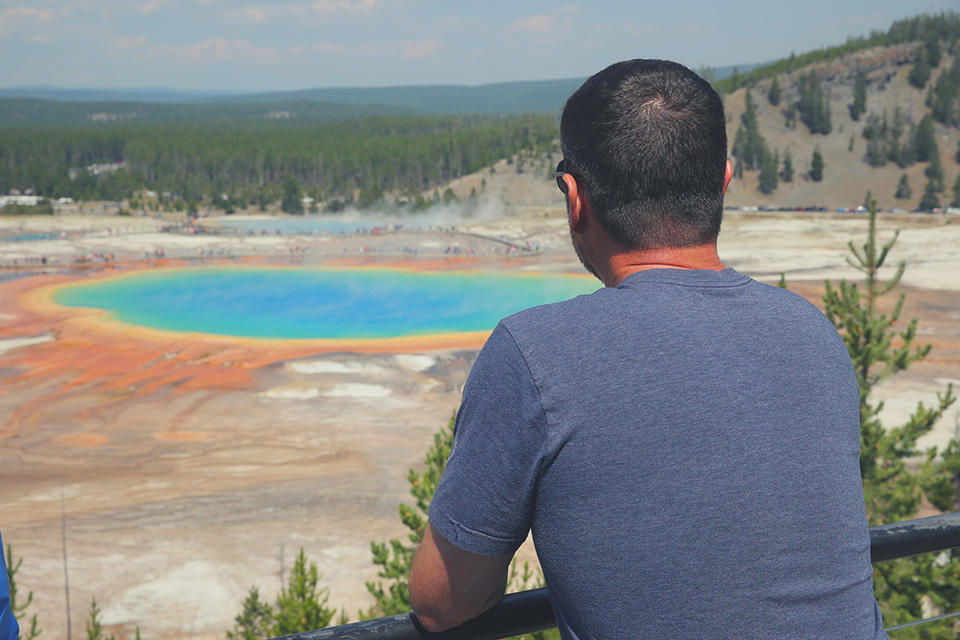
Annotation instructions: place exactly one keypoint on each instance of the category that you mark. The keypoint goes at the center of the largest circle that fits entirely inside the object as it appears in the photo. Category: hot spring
(320, 303)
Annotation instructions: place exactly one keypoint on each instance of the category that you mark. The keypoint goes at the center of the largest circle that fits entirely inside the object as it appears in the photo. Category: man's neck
(622, 264)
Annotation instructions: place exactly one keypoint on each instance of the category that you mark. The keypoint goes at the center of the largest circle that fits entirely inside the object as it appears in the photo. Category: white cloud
(541, 24)
(212, 50)
(255, 14)
(343, 6)
(39, 39)
(419, 49)
(318, 9)
(554, 23)
(148, 8)
(13, 13)
(14, 19)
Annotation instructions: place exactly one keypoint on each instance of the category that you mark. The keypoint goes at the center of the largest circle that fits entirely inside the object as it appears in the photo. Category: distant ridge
(144, 94)
(490, 99)
(504, 98)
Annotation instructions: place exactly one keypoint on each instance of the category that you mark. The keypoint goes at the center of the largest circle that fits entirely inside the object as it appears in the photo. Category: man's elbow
(449, 585)
(435, 623)
(438, 613)
(430, 614)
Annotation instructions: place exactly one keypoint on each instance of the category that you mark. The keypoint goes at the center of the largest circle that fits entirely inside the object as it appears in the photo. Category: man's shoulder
(667, 302)
(541, 320)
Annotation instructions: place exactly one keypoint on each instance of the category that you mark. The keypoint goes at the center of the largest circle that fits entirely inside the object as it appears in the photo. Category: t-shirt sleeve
(484, 501)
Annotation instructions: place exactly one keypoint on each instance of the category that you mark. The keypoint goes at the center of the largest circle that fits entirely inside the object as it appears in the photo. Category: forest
(239, 163)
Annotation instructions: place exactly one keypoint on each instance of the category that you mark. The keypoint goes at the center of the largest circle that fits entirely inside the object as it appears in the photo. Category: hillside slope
(847, 176)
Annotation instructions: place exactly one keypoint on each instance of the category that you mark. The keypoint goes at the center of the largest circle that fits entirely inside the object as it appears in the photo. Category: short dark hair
(646, 141)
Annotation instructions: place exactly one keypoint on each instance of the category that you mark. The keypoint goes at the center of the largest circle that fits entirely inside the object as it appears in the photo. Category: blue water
(299, 225)
(26, 237)
(320, 303)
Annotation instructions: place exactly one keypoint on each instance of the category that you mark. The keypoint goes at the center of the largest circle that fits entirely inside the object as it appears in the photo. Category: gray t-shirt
(684, 448)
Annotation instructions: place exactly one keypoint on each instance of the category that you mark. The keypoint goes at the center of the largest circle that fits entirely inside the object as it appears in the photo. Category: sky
(279, 45)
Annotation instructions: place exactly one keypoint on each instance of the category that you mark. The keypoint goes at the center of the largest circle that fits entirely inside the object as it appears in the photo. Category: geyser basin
(304, 303)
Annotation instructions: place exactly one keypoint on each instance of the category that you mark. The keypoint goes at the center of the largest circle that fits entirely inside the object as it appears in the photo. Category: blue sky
(297, 44)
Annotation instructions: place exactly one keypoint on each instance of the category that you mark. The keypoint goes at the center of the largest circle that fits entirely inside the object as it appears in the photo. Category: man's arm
(449, 586)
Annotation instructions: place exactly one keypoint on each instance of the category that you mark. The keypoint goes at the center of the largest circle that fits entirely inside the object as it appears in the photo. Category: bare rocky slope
(524, 183)
(847, 176)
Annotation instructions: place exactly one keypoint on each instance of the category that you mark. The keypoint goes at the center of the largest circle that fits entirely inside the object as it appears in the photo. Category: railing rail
(529, 611)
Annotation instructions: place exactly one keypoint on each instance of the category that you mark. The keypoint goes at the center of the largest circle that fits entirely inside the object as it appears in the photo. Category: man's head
(646, 142)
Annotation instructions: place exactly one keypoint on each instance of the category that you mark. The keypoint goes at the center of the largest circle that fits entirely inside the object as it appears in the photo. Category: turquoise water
(26, 237)
(311, 224)
(320, 303)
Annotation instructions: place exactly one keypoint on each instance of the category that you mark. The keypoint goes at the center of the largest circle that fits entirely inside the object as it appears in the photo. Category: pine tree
(920, 73)
(786, 174)
(291, 202)
(893, 491)
(826, 116)
(929, 201)
(301, 606)
(883, 140)
(748, 144)
(859, 105)
(934, 171)
(903, 188)
(945, 108)
(253, 623)
(816, 165)
(18, 608)
(955, 202)
(95, 629)
(773, 95)
(934, 52)
(768, 171)
(925, 140)
(814, 105)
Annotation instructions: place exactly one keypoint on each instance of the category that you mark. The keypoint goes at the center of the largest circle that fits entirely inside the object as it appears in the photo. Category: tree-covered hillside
(352, 159)
(879, 116)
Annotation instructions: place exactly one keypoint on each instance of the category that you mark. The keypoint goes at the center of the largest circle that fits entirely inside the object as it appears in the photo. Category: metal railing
(529, 611)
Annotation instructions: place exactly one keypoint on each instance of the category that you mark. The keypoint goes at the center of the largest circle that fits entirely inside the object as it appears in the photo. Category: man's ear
(727, 175)
(575, 204)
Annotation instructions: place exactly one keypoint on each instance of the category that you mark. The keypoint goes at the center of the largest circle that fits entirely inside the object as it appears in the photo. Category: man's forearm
(449, 586)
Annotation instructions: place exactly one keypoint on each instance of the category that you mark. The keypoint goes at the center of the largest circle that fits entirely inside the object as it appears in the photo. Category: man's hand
(449, 586)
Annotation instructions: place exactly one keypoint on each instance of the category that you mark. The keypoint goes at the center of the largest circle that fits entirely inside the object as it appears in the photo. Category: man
(684, 443)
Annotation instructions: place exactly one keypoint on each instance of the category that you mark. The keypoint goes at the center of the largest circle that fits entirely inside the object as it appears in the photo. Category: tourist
(684, 443)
